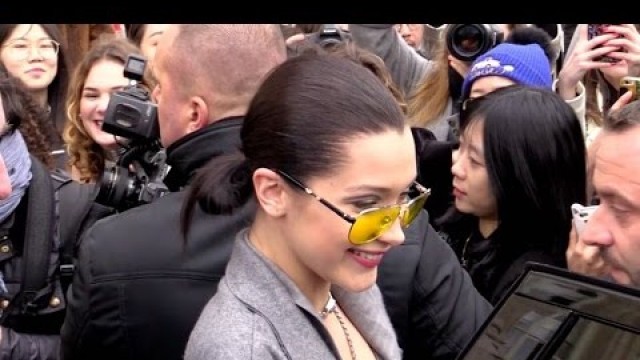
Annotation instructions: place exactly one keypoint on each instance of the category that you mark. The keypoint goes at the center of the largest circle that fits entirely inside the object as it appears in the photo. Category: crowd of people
(349, 191)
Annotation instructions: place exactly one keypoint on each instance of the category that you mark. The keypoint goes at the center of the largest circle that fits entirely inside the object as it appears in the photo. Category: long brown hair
(85, 155)
(431, 97)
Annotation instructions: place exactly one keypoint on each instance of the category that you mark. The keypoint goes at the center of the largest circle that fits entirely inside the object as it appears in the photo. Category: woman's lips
(367, 259)
(458, 193)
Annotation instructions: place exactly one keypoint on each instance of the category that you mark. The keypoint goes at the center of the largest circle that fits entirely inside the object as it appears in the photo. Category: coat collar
(192, 151)
(262, 286)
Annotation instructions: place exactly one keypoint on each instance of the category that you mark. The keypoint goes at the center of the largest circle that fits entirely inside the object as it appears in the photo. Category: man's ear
(270, 192)
(198, 114)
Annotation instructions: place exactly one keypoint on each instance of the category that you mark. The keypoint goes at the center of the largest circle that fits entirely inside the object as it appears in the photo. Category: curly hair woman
(98, 75)
(22, 111)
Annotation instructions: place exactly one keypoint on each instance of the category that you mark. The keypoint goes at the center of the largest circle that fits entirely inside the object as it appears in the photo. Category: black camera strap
(75, 203)
(40, 224)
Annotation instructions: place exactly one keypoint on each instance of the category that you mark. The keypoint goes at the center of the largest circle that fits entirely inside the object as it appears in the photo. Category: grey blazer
(259, 313)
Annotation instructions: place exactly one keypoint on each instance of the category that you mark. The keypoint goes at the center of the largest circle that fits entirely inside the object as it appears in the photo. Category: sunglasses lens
(413, 210)
(369, 226)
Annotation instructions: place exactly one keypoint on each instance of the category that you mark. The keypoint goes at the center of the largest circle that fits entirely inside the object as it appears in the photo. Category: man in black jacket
(139, 285)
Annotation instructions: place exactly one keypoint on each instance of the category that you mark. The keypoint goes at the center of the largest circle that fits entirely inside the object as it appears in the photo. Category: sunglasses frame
(424, 193)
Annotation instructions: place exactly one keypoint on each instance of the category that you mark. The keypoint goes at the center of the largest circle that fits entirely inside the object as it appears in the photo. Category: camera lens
(330, 42)
(468, 41)
(116, 187)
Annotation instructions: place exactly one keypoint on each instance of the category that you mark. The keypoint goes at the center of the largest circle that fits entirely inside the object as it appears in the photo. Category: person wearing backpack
(41, 211)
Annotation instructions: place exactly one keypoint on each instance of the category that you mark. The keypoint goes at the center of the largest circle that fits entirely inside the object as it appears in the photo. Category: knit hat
(525, 64)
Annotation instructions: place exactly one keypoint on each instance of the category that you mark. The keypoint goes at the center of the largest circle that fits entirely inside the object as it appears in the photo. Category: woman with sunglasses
(519, 167)
(422, 277)
(331, 201)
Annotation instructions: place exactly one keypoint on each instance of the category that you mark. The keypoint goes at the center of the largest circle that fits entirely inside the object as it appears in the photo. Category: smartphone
(630, 83)
(581, 215)
(594, 30)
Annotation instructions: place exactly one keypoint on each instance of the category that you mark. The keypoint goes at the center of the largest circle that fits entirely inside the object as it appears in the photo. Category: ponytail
(219, 187)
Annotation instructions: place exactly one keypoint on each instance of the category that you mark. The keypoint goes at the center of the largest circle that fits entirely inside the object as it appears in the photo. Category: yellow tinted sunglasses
(372, 223)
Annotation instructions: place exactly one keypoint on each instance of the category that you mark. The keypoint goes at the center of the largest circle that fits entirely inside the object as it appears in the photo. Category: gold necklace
(332, 307)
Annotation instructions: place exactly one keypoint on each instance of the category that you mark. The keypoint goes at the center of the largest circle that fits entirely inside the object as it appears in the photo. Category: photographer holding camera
(324, 36)
(207, 75)
(432, 87)
(101, 72)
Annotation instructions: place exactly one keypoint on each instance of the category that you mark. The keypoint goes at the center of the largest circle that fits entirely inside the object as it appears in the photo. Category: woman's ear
(270, 192)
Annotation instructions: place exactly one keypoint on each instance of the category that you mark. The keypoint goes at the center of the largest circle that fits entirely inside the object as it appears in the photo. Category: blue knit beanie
(525, 64)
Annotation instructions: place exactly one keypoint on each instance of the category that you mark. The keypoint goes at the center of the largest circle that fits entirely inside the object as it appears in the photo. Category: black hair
(536, 163)
(22, 113)
(297, 122)
(57, 90)
(533, 35)
(135, 32)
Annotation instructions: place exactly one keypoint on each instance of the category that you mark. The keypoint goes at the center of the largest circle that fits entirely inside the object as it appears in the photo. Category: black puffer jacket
(31, 334)
(32, 331)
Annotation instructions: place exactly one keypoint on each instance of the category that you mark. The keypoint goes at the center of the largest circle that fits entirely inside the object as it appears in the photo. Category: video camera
(136, 178)
(468, 41)
(329, 35)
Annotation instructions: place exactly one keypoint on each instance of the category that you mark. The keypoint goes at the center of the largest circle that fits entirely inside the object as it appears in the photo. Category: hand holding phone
(594, 30)
(632, 84)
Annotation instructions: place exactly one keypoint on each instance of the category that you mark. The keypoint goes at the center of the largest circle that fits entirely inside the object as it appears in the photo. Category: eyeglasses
(5, 127)
(21, 49)
(412, 27)
(372, 223)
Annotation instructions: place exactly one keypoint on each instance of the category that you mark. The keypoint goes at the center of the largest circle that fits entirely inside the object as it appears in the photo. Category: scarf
(18, 165)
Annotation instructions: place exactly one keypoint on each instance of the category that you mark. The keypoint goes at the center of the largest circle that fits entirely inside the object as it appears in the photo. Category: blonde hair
(431, 97)
(85, 155)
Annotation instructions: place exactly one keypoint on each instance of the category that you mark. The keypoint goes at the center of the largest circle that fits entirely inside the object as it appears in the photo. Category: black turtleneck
(192, 151)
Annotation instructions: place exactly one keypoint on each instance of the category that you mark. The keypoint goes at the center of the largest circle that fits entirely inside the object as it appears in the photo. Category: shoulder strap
(37, 239)
(76, 201)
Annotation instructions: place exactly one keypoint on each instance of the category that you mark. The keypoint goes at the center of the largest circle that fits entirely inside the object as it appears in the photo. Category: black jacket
(35, 227)
(434, 171)
(33, 336)
(139, 288)
(430, 298)
(493, 267)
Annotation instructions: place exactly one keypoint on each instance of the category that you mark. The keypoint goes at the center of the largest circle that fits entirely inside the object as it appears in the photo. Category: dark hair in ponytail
(219, 187)
(298, 122)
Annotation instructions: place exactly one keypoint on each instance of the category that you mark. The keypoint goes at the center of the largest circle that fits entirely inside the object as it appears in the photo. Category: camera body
(581, 215)
(468, 41)
(130, 112)
(124, 187)
(329, 35)
(136, 177)
(632, 84)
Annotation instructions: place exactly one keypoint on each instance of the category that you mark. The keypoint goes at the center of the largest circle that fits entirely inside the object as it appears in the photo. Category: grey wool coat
(259, 313)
